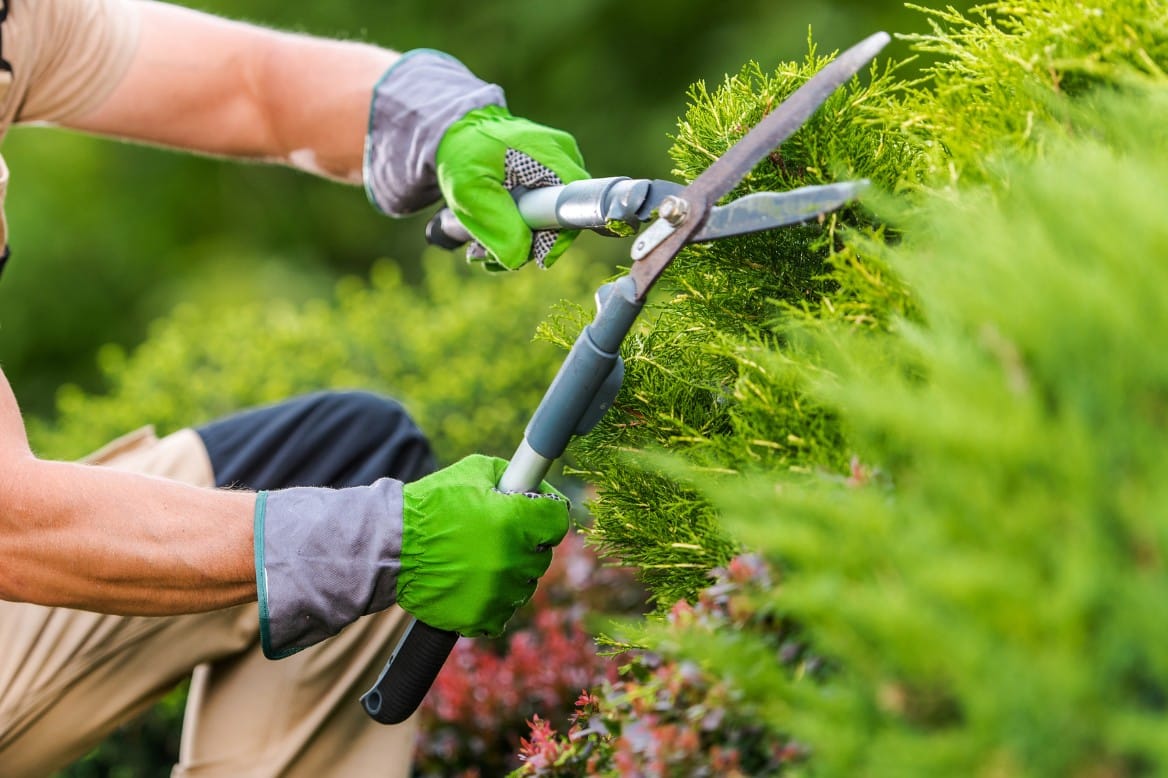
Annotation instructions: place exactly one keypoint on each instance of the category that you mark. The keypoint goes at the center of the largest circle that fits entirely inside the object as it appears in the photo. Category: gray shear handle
(591, 204)
(583, 389)
(422, 650)
(445, 231)
(409, 673)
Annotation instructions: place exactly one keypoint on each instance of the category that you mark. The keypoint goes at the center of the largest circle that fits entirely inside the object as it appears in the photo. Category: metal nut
(673, 209)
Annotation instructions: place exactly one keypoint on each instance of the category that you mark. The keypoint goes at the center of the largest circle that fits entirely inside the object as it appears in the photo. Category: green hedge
(943, 426)
(988, 580)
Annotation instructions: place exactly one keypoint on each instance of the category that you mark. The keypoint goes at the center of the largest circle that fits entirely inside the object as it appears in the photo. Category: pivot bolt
(673, 209)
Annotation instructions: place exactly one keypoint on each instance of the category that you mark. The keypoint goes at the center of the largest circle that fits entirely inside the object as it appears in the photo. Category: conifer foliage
(942, 426)
(705, 375)
(988, 580)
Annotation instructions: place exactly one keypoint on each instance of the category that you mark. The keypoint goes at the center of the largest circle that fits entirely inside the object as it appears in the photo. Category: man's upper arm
(188, 86)
(67, 56)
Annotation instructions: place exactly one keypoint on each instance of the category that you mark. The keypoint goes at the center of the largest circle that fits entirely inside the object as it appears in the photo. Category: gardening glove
(450, 548)
(435, 130)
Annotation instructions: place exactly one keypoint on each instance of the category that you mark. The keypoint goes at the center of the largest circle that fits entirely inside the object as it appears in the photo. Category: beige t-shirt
(60, 59)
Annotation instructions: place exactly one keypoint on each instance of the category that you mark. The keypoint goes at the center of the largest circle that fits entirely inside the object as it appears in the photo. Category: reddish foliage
(655, 716)
(475, 715)
(666, 716)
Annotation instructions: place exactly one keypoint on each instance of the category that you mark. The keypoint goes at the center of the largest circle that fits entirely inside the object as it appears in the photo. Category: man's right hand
(450, 548)
(436, 128)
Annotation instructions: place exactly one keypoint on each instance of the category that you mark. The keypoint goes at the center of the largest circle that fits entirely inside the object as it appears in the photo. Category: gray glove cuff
(324, 558)
(414, 103)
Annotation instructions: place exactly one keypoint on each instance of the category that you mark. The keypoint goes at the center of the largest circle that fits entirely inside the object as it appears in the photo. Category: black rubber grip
(445, 231)
(409, 673)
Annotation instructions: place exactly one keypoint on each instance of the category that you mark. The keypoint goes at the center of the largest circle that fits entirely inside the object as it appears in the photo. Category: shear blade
(767, 210)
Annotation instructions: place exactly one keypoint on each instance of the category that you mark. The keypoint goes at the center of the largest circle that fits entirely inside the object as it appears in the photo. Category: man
(119, 582)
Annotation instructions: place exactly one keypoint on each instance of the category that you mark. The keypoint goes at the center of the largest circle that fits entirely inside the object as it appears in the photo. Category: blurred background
(106, 237)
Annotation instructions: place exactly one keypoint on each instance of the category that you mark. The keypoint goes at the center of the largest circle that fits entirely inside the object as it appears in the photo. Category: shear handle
(597, 204)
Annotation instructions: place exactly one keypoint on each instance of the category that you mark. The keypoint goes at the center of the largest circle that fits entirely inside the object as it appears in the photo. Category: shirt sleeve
(66, 55)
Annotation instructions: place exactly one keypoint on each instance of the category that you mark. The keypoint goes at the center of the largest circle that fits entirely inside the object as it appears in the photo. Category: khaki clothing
(68, 678)
(61, 59)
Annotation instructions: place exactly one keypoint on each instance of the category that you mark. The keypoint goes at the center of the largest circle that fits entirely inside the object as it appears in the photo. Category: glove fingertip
(499, 228)
(513, 252)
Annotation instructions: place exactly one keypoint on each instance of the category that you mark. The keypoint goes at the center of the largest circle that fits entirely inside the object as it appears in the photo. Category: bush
(670, 716)
(945, 437)
(438, 349)
(987, 582)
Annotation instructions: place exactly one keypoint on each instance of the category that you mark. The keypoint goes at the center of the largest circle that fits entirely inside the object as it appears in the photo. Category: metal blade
(767, 210)
(722, 176)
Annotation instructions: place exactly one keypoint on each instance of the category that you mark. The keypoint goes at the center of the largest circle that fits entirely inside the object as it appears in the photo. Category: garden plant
(937, 417)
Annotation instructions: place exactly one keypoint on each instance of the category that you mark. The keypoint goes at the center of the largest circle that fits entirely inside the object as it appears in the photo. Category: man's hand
(450, 549)
(436, 129)
(481, 158)
(471, 554)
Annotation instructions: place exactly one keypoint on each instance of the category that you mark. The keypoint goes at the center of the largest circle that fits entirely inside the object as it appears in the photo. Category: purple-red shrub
(662, 716)
(475, 715)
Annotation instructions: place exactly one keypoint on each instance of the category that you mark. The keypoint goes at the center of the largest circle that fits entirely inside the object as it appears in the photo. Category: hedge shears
(590, 377)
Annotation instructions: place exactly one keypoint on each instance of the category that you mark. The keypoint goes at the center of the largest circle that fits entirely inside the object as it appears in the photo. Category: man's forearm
(202, 83)
(100, 539)
(316, 95)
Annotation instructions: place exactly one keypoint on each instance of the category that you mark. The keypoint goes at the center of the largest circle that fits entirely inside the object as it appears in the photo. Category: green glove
(450, 548)
(471, 554)
(481, 158)
(437, 129)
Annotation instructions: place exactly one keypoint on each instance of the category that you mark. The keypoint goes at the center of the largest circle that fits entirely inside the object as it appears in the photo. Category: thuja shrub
(704, 375)
(710, 373)
(989, 588)
(945, 434)
(1005, 69)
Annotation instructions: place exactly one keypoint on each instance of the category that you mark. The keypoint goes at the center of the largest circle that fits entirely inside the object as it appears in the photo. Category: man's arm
(411, 133)
(116, 542)
(110, 541)
(316, 559)
(207, 84)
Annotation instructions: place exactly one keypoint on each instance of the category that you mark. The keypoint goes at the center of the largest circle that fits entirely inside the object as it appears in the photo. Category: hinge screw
(673, 209)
